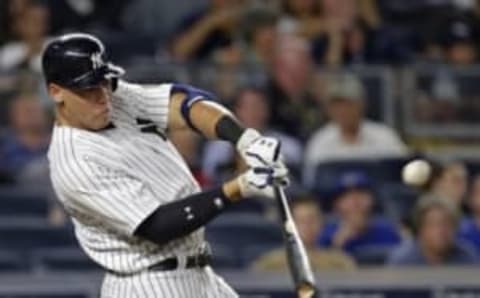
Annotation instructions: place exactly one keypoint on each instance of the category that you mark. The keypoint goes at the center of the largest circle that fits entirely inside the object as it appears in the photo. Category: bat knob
(306, 291)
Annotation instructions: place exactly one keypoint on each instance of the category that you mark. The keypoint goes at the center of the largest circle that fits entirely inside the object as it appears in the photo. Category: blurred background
(354, 89)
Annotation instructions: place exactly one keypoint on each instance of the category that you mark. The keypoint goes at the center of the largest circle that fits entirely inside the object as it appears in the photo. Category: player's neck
(62, 120)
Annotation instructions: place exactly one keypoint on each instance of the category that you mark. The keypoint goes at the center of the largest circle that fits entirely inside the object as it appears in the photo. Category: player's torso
(134, 146)
(150, 157)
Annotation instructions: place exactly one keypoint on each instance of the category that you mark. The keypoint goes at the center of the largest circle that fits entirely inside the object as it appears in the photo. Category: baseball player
(136, 209)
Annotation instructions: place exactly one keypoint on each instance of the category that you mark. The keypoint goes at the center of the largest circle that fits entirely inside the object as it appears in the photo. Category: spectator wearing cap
(460, 43)
(349, 135)
(354, 228)
(309, 221)
(435, 223)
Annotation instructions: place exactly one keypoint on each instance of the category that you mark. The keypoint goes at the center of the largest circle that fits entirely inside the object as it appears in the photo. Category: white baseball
(416, 172)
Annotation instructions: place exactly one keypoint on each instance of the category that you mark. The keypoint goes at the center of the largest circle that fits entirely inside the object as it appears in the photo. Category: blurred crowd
(298, 59)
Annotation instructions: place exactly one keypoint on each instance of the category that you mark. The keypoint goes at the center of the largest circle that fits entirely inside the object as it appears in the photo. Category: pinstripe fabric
(109, 181)
(189, 283)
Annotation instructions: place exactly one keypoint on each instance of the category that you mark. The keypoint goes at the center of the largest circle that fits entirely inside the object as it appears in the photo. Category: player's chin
(100, 123)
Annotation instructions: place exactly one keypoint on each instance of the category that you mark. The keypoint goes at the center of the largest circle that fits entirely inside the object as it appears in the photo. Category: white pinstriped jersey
(110, 181)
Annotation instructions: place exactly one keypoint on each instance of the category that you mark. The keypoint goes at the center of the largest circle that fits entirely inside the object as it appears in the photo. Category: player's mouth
(104, 111)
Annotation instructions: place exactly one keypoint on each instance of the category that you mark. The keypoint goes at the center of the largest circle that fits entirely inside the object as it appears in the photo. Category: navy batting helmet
(78, 61)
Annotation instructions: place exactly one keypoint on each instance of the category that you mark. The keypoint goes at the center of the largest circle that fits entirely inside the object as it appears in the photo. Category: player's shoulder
(71, 147)
(65, 157)
(127, 89)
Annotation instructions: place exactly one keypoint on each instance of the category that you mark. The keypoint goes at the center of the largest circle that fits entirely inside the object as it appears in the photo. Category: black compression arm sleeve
(182, 217)
(228, 129)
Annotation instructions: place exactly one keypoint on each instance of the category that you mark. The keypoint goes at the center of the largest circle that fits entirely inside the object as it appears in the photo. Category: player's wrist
(231, 190)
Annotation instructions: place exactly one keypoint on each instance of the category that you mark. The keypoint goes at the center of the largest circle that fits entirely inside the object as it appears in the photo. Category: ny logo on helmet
(96, 59)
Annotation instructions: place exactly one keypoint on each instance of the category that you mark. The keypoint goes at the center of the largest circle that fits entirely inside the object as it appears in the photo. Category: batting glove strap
(259, 182)
(246, 139)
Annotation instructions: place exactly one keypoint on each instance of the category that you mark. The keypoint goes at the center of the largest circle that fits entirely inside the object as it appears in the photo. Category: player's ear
(55, 92)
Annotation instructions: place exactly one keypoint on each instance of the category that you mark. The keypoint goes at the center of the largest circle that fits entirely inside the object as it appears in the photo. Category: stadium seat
(397, 200)
(26, 234)
(390, 169)
(327, 174)
(372, 255)
(253, 252)
(22, 203)
(19, 192)
(244, 229)
(49, 295)
(251, 206)
(63, 259)
(11, 261)
(224, 257)
(238, 232)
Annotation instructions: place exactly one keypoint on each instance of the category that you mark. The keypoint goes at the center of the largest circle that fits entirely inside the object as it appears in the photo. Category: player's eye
(92, 94)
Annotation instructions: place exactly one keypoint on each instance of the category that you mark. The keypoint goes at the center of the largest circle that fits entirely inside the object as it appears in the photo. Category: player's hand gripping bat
(297, 257)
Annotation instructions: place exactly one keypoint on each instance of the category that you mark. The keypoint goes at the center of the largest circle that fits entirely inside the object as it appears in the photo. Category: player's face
(87, 108)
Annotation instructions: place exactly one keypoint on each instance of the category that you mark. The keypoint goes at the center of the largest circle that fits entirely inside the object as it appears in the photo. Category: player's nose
(102, 96)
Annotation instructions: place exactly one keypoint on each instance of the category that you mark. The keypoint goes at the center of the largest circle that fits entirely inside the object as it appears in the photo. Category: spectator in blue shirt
(435, 222)
(27, 136)
(355, 229)
(470, 227)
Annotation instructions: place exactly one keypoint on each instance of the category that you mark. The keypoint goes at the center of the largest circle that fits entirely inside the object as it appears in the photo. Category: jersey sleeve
(148, 102)
(114, 198)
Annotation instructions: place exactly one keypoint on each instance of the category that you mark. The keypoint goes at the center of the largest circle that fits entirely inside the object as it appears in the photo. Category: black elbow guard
(180, 218)
(229, 129)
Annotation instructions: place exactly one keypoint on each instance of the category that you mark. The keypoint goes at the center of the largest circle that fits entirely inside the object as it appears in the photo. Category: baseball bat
(296, 254)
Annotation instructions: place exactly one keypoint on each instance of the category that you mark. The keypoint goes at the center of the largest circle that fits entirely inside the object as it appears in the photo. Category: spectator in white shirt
(349, 135)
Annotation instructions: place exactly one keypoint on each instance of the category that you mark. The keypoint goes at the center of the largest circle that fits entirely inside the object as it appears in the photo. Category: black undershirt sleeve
(229, 129)
(182, 217)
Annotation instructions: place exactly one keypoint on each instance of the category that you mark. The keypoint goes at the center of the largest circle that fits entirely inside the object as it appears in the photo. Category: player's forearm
(216, 122)
(198, 109)
(182, 217)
